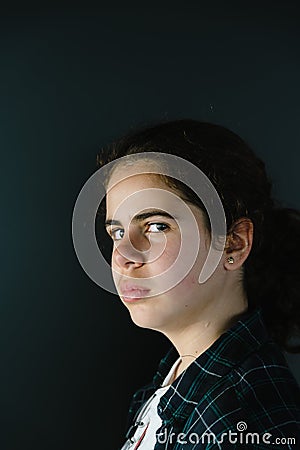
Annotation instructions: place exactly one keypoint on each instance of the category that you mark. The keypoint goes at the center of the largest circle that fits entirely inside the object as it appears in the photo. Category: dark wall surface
(71, 80)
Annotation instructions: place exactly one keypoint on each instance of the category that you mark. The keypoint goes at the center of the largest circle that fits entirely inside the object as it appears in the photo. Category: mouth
(133, 293)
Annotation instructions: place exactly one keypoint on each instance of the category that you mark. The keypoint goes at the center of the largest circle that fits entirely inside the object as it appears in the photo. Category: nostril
(124, 256)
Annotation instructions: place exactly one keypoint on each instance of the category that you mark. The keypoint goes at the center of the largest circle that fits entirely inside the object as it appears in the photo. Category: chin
(143, 321)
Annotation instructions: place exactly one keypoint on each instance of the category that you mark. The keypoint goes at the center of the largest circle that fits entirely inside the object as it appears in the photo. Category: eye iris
(118, 234)
(157, 227)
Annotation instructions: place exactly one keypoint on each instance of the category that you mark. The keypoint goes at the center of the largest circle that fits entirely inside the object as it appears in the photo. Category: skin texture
(191, 315)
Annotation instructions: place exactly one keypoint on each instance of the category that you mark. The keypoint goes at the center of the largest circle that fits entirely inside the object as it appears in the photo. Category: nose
(129, 253)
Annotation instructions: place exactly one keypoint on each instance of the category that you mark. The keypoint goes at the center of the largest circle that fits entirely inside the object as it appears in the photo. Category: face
(160, 246)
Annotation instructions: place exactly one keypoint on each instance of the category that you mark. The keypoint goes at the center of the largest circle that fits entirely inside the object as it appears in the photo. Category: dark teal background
(71, 80)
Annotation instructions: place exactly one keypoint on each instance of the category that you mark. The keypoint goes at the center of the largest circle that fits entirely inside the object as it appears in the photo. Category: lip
(132, 293)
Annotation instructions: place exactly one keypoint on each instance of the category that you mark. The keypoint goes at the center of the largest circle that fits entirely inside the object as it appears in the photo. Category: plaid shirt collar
(232, 347)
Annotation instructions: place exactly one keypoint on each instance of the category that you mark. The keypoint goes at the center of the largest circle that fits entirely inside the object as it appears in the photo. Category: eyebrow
(142, 216)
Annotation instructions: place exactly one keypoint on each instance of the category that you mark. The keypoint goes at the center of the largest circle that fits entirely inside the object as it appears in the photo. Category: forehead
(134, 174)
(128, 168)
(143, 190)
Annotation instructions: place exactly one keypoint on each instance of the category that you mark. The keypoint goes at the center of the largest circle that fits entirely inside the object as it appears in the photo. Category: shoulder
(266, 388)
(265, 376)
(259, 396)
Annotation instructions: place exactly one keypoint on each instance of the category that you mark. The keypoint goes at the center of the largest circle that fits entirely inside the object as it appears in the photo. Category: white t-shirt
(144, 437)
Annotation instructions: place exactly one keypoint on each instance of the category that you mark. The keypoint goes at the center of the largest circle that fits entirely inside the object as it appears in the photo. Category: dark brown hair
(271, 271)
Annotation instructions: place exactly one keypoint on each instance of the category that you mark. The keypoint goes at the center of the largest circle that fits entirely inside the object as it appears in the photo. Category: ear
(238, 243)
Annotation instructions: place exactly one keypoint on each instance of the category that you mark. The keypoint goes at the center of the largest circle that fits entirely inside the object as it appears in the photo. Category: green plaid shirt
(239, 393)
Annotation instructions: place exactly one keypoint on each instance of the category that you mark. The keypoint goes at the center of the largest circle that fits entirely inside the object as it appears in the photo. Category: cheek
(166, 259)
(184, 294)
(169, 256)
(114, 266)
(112, 258)
(190, 282)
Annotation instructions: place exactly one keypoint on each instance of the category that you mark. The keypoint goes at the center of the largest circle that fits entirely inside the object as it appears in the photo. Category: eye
(157, 227)
(117, 234)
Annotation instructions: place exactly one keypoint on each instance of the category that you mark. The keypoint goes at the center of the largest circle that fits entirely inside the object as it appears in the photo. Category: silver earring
(230, 259)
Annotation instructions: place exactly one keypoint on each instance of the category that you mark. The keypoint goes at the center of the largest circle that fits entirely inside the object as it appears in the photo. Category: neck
(195, 338)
